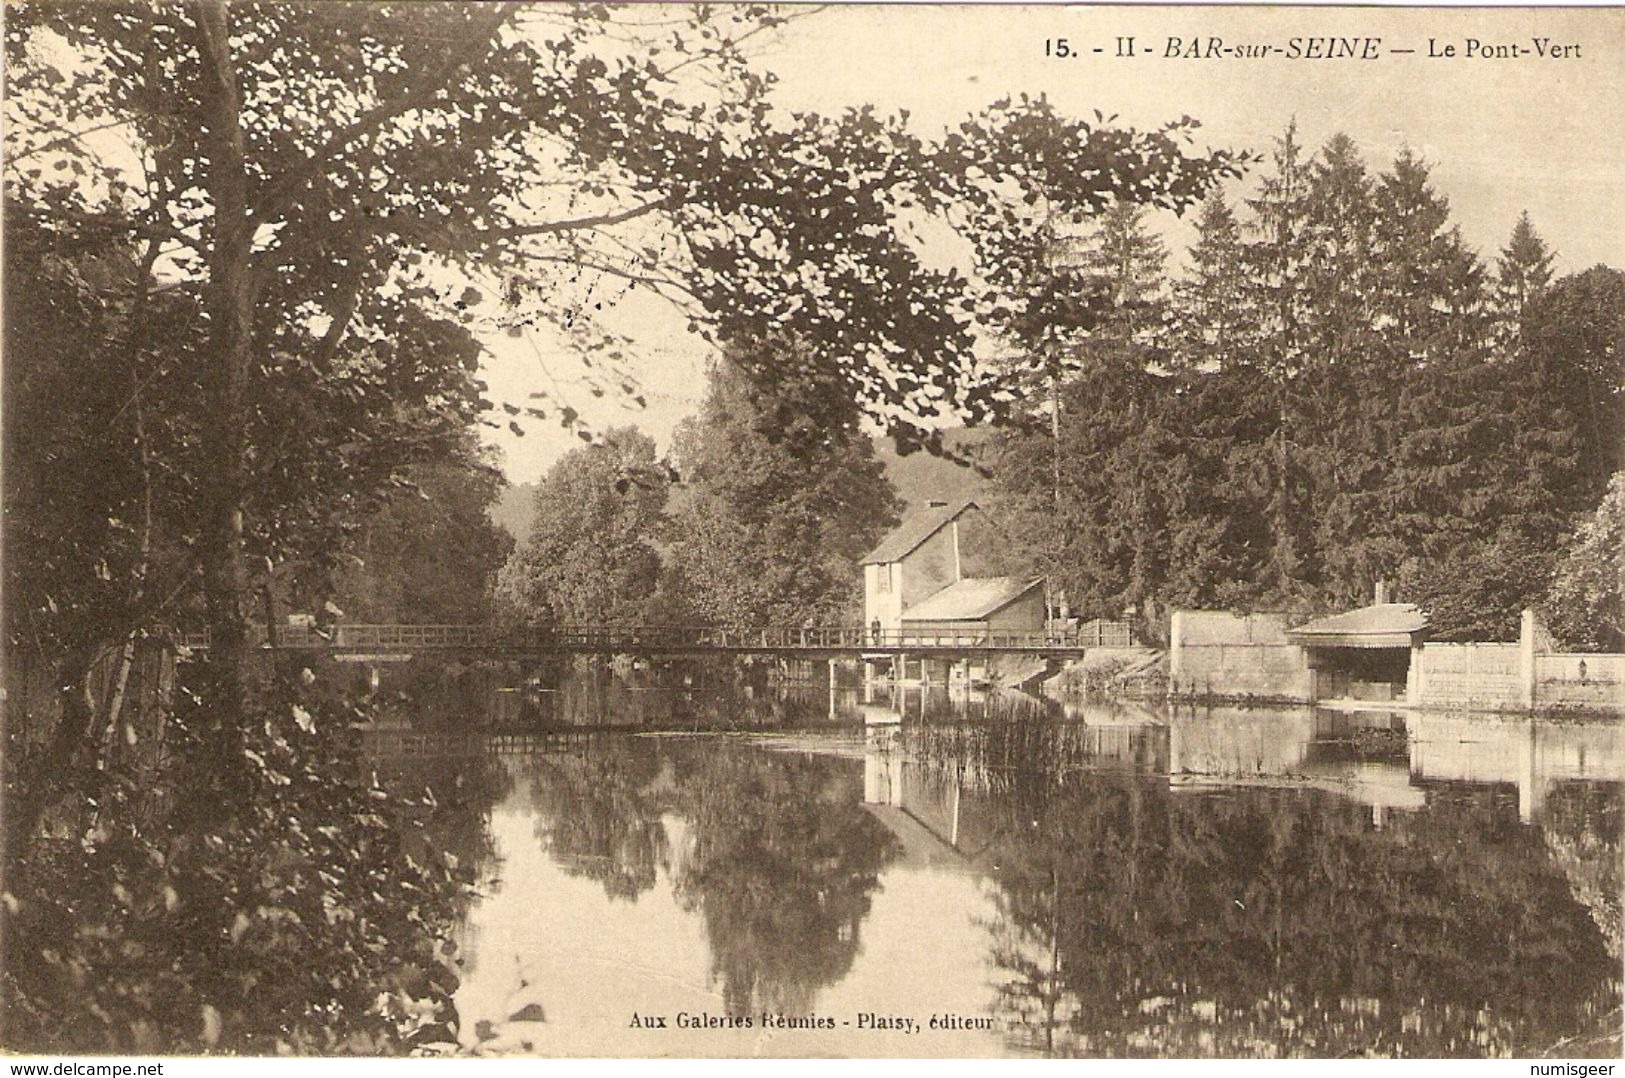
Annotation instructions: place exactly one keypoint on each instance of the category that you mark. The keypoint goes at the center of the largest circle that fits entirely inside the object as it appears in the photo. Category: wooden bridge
(809, 643)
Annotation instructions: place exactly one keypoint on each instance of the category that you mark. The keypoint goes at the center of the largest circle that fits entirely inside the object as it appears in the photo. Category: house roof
(1385, 625)
(919, 527)
(972, 598)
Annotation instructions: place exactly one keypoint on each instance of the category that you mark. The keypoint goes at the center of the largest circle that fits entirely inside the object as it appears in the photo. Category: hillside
(512, 512)
(919, 476)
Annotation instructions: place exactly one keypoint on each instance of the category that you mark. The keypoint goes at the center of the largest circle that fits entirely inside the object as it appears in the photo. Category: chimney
(1382, 592)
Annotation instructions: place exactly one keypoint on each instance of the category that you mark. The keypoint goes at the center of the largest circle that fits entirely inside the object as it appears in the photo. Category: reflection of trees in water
(598, 813)
(783, 865)
(463, 785)
(1133, 920)
(1582, 824)
(781, 859)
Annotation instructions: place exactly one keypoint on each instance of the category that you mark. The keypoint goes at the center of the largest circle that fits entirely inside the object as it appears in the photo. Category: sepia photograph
(919, 531)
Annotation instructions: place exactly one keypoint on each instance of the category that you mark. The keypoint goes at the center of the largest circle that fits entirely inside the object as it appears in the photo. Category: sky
(1501, 135)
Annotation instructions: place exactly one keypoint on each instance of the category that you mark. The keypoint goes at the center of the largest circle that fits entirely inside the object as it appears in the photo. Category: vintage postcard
(748, 530)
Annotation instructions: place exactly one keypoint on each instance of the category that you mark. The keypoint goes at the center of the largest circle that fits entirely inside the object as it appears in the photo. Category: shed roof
(1384, 625)
(915, 530)
(972, 598)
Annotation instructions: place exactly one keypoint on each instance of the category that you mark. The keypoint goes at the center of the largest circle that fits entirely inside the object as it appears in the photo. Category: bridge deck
(810, 642)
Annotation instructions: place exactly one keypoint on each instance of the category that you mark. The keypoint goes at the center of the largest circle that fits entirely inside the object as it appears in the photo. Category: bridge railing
(366, 638)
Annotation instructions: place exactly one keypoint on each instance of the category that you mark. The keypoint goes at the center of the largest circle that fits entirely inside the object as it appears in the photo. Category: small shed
(1365, 654)
(980, 606)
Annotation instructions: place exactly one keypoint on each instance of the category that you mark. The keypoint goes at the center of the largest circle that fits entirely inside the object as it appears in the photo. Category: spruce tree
(1523, 272)
(1340, 272)
(1125, 260)
(1432, 286)
(1276, 258)
(1212, 302)
(1348, 386)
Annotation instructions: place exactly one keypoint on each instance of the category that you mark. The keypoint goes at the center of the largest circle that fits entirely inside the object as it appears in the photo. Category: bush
(315, 919)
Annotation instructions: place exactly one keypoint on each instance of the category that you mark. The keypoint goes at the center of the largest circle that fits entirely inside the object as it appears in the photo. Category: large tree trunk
(230, 305)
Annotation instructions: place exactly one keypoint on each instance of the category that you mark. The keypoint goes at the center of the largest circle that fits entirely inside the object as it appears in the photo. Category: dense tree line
(1337, 392)
(758, 516)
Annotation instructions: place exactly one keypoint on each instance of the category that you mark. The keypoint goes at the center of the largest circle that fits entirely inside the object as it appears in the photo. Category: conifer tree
(1348, 384)
(1212, 301)
(1128, 263)
(1523, 271)
(1340, 264)
(1276, 257)
(1432, 291)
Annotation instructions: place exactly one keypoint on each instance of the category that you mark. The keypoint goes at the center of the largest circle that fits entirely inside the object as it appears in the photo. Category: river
(791, 872)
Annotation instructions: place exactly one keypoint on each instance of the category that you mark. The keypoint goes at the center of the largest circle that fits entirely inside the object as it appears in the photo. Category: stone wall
(1483, 676)
(1221, 655)
(1592, 682)
(1218, 654)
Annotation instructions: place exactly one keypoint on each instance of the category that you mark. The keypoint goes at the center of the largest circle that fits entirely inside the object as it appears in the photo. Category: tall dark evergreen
(1127, 261)
(1522, 272)
(1216, 324)
(1276, 258)
(1432, 284)
(1334, 415)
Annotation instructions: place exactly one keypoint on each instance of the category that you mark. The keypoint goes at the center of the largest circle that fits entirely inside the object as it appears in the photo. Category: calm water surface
(1114, 880)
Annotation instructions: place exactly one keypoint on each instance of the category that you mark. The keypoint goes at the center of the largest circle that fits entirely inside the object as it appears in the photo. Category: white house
(913, 582)
(915, 561)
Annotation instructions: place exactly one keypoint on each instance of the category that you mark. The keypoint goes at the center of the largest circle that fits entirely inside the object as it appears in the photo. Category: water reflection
(598, 814)
(1139, 916)
(781, 862)
(1116, 881)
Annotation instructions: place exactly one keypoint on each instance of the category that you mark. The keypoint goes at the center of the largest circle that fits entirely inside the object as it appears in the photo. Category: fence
(409, 638)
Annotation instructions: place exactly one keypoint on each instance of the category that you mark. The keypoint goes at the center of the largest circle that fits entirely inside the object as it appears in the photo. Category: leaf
(302, 717)
(211, 1024)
